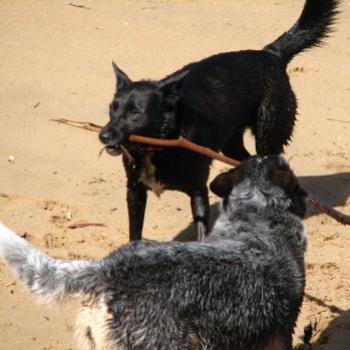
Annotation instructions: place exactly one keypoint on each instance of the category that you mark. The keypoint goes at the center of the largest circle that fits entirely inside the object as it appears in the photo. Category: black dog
(240, 289)
(210, 102)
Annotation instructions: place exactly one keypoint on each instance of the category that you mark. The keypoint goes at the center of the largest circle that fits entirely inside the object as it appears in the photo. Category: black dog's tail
(313, 25)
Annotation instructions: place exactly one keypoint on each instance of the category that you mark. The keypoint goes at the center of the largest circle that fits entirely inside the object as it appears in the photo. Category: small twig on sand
(85, 224)
(79, 6)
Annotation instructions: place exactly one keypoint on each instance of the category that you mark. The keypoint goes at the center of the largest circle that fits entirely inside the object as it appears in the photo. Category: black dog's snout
(106, 135)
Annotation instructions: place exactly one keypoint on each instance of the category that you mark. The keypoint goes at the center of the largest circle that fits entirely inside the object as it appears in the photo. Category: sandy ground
(55, 61)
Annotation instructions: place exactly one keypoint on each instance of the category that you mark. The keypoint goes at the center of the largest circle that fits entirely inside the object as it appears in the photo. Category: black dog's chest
(149, 176)
(174, 169)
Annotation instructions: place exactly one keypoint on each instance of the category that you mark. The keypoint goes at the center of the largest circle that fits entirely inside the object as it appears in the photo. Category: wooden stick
(184, 143)
(335, 214)
(180, 142)
(82, 125)
(127, 154)
(338, 120)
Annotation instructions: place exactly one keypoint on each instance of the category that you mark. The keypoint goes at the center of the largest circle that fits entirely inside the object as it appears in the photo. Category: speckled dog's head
(265, 181)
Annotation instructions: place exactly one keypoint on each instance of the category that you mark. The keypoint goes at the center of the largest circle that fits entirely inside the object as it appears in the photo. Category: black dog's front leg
(200, 212)
(136, 198)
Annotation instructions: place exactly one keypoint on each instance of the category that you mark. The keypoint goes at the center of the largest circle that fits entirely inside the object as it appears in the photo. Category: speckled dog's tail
(50, 279)
(313, 25)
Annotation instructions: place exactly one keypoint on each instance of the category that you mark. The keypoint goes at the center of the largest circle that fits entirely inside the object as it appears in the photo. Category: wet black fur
(211, 102)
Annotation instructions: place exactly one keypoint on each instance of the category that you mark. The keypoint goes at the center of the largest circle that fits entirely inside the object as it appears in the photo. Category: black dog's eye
(133, 114)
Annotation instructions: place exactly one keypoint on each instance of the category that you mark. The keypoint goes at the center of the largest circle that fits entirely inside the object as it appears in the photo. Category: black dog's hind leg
(276, 118)
(234, 147)
(136, 198)
(200, 212)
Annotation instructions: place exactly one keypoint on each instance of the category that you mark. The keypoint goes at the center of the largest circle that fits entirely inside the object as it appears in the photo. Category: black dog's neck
(170, 125)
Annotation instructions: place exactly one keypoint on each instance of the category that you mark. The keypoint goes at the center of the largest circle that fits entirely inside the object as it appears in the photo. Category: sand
(56, 63)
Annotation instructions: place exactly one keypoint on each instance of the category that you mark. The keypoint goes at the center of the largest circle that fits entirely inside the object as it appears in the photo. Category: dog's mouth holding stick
(184, 143)
(115, 150)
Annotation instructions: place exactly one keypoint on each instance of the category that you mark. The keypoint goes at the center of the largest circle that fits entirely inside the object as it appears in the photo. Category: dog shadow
(332, 190)
(336, 336)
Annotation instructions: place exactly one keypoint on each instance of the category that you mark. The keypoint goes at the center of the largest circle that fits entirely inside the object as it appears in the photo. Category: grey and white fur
(240, 289)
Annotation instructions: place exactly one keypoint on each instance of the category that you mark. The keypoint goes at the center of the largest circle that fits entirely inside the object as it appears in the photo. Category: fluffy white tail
(46, 277)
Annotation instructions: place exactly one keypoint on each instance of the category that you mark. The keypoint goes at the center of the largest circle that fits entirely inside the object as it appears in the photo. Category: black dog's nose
(106, 135)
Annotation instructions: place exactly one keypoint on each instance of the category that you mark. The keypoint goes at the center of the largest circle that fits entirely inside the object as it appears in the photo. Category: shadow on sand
(333, 190)
(337, 334)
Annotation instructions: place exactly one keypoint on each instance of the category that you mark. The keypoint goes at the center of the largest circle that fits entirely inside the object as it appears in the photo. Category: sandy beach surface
(55, 62)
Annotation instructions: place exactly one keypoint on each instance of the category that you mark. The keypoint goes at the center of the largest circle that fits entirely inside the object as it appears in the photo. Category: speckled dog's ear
(281, 177)
(278, 171)
(222, 185)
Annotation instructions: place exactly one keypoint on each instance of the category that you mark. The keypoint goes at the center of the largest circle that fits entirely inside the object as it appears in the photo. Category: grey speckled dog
(241, 289)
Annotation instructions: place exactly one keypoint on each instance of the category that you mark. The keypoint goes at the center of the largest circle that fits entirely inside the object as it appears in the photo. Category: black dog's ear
(122, 78)
(170, 87)
(222, 185)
